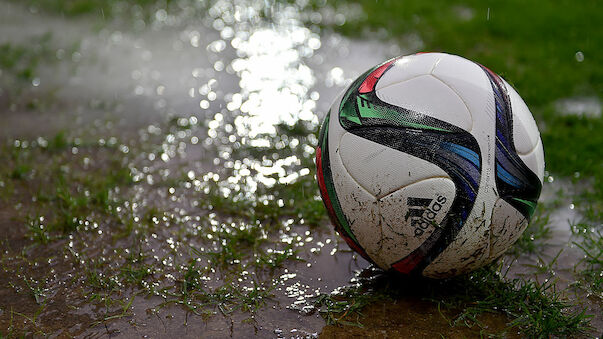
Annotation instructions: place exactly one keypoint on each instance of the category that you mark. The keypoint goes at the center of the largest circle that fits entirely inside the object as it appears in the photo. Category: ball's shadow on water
(399, 285)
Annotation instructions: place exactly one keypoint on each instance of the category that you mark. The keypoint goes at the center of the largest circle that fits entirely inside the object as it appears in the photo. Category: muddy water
(229, 73)
(227, 67)
(556, 261)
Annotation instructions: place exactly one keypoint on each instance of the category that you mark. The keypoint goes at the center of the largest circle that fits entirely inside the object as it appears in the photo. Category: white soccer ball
(430, 164)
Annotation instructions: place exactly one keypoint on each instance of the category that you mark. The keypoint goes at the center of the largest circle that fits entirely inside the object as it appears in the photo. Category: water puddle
(581, 106)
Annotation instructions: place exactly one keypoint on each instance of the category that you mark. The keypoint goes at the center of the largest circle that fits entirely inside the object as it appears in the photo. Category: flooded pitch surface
(159, 179)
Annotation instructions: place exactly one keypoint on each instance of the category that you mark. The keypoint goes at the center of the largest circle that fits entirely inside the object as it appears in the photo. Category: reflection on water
(274, 83)
(274, 79)
(239, 83)
(586, 106)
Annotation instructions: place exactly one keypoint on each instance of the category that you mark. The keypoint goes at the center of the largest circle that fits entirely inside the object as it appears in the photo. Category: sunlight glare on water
(275, 85)
(274, 79)
(225, 109)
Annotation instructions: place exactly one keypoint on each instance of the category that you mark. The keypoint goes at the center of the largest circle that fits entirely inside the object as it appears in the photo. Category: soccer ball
(430, 164)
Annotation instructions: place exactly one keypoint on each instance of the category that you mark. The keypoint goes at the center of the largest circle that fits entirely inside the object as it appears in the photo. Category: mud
(414, 318)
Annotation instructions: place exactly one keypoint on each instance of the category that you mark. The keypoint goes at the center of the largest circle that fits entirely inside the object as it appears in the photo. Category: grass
(535, 236)
(36, 291)
(22, 61)
(537, 310)
(30, 322)
(72, 193)
(235, 243)
(344, 308)
(573, 153)
(589, 239)
(192, 293)
(298, 198)
(103, 8)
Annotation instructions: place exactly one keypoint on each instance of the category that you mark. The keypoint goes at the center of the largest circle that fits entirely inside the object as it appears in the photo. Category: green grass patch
(535, 236)
(70, 194)
(102, 8)
(573, 149)
(22, 61)
(297, 197)
(537, 310)
(589, 239)
(86, 204)
(345, 307)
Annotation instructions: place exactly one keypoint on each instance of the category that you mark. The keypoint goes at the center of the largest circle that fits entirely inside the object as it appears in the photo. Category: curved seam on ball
(435, 64)
(532, 150)
(398, 82)
(460, 97)
(412, 183)
(347, 170)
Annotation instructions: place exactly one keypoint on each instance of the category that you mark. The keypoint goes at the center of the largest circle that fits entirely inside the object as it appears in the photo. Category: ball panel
(515, 181)
(351, 196)
(525, 131)
(470, 248)
(360, 208)
(430, 96)
(328, 192)
(381, 170)
(408, 67)
(330, 132)
(526, 136)
(470, 83)
(506, 227)
(535, 160)
(411, 214)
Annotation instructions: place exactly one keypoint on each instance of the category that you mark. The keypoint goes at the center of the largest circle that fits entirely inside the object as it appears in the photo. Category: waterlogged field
(157, 171)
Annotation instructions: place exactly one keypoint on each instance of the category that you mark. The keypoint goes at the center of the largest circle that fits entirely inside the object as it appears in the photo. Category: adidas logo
(422, 212)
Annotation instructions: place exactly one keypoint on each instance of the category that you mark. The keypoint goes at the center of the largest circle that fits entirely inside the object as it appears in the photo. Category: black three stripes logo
(416, 207)
(422, 213)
